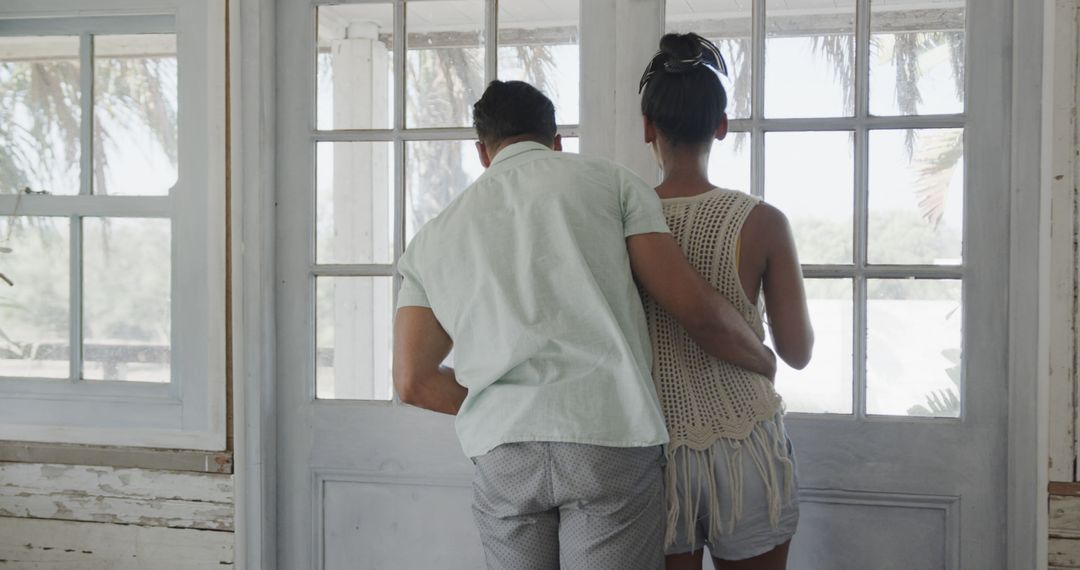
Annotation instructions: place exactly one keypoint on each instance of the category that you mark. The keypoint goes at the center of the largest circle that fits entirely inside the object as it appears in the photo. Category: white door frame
(253, 126)
(1029, 281)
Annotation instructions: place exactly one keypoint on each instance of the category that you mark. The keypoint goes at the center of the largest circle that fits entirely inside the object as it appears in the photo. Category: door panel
(431, 514)
(876, 530)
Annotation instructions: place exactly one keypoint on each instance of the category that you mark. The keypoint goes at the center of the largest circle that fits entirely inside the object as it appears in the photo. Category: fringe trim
(767, 452)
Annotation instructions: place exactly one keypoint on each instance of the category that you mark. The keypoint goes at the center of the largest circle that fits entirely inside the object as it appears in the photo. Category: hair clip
(709, 57)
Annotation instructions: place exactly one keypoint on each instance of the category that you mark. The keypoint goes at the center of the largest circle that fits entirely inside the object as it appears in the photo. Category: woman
(730, 472)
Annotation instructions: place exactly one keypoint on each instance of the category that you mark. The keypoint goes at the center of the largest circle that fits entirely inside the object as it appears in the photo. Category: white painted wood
(841, 529)
(1076, 214)
(122, 496)
(117, 482)
(598, 92)
(170, 460)
(1062, 327)
(62, 545)
(638, 27)
(617, 40)
(195, 418)
(345, 501)
(252, 47)
(1028, 284)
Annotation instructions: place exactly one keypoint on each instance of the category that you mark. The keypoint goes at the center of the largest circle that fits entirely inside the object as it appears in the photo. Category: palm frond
(934, 160)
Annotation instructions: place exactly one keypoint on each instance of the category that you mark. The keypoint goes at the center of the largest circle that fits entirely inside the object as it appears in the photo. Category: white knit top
(705, 400)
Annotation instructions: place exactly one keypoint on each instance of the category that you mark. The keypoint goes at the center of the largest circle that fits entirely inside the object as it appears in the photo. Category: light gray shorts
(742, 530)
(545, 505)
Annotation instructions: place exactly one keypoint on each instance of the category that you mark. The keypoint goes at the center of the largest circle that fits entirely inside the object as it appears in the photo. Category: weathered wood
(1071, 489)
(62, 545)
(1062, 267)
(127, 496)
(1064, 553)
(1064, 516)
(163, 459)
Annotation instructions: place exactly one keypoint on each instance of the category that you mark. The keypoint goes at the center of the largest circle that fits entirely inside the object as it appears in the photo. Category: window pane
(355, 313)
(436, 172)
(445, 62)
(538, 43)
(917, 57)
(916, 196)
(913, 360)
(355, 62)
(729, 162)
(40, 117)
(35, 306)
(810, 176)
(354, 202)
(127, 298)
(810, 58)
(730, 25)
(135, 121)
(823, 387)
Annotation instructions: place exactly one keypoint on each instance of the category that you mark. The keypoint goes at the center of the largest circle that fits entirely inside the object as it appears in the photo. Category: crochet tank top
(705, 399)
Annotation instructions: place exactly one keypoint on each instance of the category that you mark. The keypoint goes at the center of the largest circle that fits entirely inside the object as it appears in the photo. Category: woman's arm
(785, 297)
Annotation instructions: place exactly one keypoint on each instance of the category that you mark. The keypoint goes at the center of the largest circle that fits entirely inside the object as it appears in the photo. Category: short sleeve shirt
(528, 272)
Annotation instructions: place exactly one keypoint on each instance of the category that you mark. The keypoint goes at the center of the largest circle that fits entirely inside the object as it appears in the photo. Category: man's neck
(514, 140)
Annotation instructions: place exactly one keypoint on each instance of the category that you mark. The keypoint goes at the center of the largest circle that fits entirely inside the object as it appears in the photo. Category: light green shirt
(528, 272)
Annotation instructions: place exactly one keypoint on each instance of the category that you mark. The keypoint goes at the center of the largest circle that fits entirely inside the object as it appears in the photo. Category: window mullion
(862, 162)
(86, 181)
(757, 99)
(862, 58)
(86, 104)
(75, 298)
(491, 41)
(400, 68)
(861, 181)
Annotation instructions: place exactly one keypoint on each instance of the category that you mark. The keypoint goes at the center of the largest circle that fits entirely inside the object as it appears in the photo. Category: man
(527, 275)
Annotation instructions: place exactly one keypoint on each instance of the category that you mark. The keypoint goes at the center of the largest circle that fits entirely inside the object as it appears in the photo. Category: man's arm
(710, 319)
(420, 346)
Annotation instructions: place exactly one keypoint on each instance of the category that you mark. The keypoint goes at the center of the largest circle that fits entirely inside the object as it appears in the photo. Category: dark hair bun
(678, 48)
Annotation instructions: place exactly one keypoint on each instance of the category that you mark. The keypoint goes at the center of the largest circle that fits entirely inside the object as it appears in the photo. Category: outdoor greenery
(40, 130)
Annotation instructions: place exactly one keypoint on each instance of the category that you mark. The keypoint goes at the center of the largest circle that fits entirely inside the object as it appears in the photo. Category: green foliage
(943, 403)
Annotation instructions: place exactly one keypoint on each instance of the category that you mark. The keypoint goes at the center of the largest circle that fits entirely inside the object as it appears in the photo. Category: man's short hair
(513, 108)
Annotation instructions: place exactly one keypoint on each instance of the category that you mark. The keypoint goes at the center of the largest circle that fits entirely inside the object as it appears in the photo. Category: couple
(594, 447)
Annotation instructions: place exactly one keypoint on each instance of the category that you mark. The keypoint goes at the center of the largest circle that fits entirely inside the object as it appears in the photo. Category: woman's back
(703, 398)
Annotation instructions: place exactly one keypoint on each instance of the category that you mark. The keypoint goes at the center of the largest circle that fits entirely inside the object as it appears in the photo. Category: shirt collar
(516, 149)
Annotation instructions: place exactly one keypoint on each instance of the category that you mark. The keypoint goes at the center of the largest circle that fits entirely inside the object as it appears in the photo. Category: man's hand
(710, 319)
(420, 346)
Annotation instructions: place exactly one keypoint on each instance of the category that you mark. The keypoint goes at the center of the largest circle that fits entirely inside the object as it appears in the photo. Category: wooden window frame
(189, 411)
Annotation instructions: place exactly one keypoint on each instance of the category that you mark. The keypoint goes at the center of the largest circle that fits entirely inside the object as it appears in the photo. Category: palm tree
(453, 81)
(39, 154)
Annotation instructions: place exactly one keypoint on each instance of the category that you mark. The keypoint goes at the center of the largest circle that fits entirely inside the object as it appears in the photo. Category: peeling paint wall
(1064, 504)
(71, 516)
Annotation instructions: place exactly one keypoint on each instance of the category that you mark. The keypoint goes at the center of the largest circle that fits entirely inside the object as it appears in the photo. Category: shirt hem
(579, 440)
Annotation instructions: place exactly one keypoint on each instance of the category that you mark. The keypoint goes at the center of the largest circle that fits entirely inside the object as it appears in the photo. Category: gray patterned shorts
(547, 505)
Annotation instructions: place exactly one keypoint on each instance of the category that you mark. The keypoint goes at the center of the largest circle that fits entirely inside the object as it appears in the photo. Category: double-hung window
(111, 224)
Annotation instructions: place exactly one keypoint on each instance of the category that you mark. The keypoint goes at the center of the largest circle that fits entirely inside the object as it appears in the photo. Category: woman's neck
(686, 172)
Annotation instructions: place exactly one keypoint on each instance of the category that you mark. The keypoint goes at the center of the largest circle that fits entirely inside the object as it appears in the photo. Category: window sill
(141, 458)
